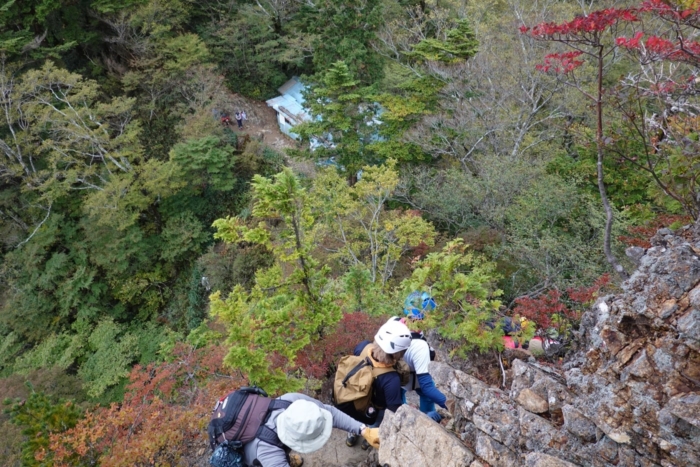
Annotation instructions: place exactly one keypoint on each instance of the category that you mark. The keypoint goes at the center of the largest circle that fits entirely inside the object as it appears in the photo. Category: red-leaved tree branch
(659, 102)
(680, 43)
(593, 36)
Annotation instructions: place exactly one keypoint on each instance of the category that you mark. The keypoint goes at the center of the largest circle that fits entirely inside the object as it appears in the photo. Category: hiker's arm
(340, 420)
(427, 387)
(421, 363)
(344, 422)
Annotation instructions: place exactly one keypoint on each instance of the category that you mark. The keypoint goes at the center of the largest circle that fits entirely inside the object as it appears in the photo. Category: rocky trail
(628, 396)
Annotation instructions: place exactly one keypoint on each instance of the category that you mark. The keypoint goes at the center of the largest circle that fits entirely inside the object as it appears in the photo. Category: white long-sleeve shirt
(418, 359)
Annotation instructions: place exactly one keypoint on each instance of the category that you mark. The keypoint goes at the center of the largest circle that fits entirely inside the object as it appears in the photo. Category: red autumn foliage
(676, 47)
(162, 419)
(585, 295)
(666, 10)
(420, 250)
(540, 310)
(581, 33)
(553, 309)
(561, 62)
(657, 48)
(582, 26)
(319, 359)
(640, 235)
(585, 30)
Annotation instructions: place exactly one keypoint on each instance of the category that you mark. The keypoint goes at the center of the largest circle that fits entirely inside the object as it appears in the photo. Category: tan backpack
(355, 377)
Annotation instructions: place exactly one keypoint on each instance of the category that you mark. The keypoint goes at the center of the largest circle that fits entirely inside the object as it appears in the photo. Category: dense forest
(499, 154)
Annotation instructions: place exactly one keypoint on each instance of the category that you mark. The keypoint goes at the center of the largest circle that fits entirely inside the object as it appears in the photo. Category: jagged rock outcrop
(639, 381)
(630, 396)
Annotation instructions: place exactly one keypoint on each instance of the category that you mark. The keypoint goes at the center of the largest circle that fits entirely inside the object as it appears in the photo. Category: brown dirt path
(261, 124)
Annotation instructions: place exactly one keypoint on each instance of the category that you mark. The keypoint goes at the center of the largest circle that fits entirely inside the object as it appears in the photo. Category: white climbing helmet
(393, 337)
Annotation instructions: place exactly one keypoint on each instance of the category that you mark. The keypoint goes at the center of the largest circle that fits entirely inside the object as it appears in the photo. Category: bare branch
(36, 229)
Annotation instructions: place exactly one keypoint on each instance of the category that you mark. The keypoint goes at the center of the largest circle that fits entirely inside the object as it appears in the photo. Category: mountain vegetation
(499, 154)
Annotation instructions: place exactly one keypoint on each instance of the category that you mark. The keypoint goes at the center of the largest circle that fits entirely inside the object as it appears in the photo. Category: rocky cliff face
(630, 396)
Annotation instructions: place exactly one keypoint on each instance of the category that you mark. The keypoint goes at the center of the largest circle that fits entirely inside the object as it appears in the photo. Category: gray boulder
(411, 438)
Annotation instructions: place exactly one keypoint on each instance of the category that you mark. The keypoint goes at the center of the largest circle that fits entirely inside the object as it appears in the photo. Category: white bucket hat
(304, 426)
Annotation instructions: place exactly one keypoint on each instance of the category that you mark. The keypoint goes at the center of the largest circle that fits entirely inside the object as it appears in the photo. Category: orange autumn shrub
(162, 420)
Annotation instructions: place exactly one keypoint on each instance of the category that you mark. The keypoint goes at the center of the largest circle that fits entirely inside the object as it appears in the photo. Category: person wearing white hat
(304, 427)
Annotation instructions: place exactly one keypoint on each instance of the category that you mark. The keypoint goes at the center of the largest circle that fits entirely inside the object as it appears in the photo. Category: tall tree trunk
(601, 185)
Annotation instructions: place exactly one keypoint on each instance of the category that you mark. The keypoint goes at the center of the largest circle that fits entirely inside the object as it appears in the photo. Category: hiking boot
(295, 460)
(365, 445)
(351, 440)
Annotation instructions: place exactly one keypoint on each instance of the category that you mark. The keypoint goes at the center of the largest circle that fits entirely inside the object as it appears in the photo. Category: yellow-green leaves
(464, 287)
(357, 219)
(62, 137)
(111, 355)
(459, 44)
(120, 202)
(326, 227)
(287, 306)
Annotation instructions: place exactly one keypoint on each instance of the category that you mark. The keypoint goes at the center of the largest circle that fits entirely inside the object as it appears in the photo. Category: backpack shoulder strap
(269, 436)
(278, 404)
(366, 350)
(357, 368)
(418, 335)
(275, 404)
(379, 370)
(266, 434)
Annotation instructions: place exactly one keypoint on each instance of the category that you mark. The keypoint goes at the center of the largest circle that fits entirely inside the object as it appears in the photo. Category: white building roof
(293, 88)
(291, 101)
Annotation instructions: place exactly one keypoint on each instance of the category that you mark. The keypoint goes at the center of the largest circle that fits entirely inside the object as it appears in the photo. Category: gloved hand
(372, 436)
(434, 415)
(444, 413)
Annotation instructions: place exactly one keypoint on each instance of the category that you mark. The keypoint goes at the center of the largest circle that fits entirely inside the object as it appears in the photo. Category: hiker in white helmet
(305, 426)
(390, 343)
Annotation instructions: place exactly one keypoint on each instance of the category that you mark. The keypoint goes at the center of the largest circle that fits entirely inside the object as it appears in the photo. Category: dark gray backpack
(239, 418)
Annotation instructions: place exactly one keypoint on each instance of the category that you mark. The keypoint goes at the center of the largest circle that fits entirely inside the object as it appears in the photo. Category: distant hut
(290, 106)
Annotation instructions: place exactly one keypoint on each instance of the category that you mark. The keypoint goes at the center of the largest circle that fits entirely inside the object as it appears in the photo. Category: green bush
(464, 286)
